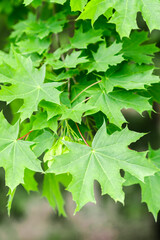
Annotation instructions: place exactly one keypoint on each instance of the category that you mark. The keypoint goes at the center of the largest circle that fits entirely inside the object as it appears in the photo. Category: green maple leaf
(95, 8)
(20, 27)
(42, 28)
(134, 49)
(151, 193)
(75, 112)
(51, 190)
(15, 155)
(52, 108)
(105, 57)
(150, 187)
(27, 84)
(112, 103)
(33, 45)
(101, 162)
(40, 121)
(125, 14)
(71, 61)
(154, 91)
(83, 39)
(78, 5)
(129, 76)
(42, 142)
(62, 76)
(30, 184)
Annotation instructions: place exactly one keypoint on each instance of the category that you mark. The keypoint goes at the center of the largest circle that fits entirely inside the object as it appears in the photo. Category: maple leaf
(30, 184)
(154, 91)
(51, 190)
(106, 56)
(20, 27)
(41, 29)
(83, 39)
(95, 8)
(15, 155)
(125, 14)
(150, 187)
(129, 76)
(42, 142)
(40, 121)
(112, 103)
(135, 50)
(27, 84)
(62, 76)
(75, 112)
(52, 109)
(32, 45)
(71, 61)
(101, 162)
(151, 193)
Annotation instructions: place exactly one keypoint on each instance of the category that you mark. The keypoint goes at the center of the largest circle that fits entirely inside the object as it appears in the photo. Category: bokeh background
(33, 219)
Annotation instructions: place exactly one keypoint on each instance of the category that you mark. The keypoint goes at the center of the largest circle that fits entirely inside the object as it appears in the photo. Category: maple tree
(69, 72)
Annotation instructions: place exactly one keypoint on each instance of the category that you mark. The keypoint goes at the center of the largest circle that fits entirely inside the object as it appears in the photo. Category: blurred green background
(33, 219)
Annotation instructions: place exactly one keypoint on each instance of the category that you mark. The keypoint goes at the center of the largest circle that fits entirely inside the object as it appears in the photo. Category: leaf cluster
(67, 78)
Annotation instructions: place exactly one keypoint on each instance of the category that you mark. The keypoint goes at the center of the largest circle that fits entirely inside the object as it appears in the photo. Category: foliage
(67, 78)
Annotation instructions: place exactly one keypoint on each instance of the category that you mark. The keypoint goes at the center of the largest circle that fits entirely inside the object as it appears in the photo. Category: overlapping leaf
(106, 57)
(112, 103)
(125, 68)
(83, 39)
(125, 14)
(71, 61)
(101, 162)
(15, 155)
(129, 76)
(27, 83)
(135, 48)
(150, 187)
(41, 29)
(51, 190)
(33, 45)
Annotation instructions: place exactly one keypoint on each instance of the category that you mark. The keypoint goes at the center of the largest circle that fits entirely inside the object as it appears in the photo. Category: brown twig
(85, 90)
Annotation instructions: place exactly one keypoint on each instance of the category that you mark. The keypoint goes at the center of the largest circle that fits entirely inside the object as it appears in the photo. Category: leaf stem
(85, 90)
(86, 99)
(25, 135)
(82, 135)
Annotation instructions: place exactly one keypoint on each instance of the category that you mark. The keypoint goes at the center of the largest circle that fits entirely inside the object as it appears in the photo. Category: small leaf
(136, 50)
(15, 155)
(105, 57)
(51, 190)
(27, 83)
